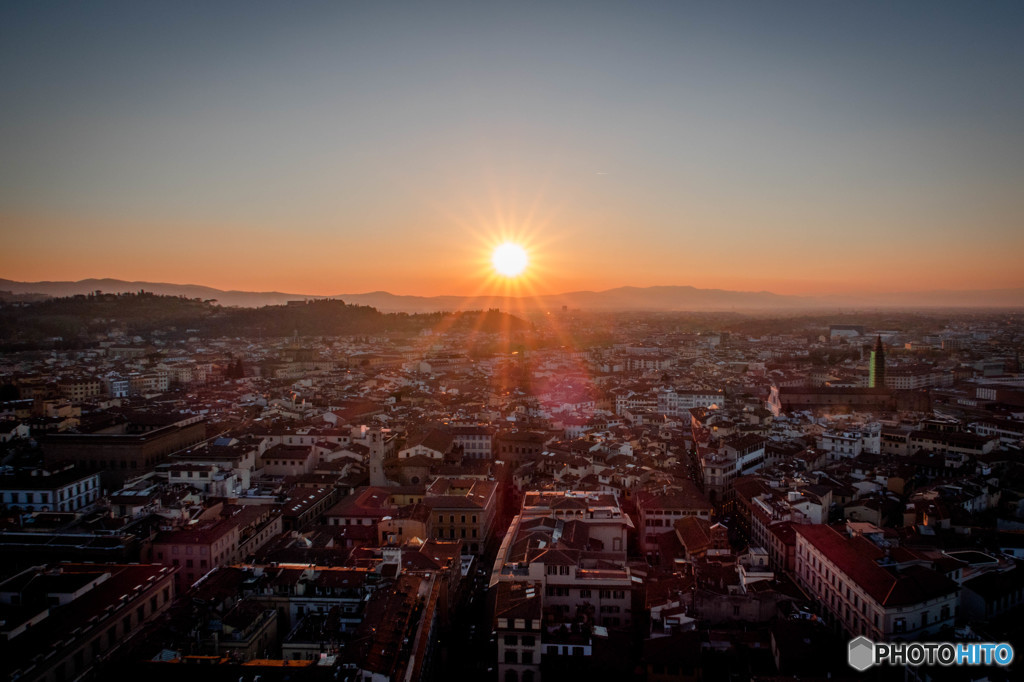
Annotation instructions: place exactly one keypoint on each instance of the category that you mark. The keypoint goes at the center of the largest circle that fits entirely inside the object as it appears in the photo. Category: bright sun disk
(509, 259)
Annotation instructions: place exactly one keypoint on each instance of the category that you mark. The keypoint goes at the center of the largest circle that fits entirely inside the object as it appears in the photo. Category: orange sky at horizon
(243, 257)
(818, 149)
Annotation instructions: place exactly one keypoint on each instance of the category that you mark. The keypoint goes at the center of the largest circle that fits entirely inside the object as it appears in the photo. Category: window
(511, 640)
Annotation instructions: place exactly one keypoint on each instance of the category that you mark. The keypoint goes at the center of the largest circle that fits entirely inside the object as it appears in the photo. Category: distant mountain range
(658, 298)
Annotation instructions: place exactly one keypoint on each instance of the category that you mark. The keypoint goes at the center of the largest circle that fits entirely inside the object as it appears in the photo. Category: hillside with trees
(83, 320)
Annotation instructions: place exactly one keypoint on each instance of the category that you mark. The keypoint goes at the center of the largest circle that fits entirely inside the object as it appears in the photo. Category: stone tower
(876, 373)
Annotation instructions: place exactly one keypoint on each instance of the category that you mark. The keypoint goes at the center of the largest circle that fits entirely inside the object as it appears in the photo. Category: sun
(509, 259)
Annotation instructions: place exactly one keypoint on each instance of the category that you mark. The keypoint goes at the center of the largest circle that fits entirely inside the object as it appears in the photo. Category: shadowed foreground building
(58, 623)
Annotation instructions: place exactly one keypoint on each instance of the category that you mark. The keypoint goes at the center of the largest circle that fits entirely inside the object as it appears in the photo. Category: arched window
(511, 676)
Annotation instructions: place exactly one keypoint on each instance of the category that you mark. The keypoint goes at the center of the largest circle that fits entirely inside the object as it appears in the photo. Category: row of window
(557, 570)
(44, 497)
(527, 640)
(451, 518)
(451, 533)
(515, 657)
(553, 591)
(30, 500)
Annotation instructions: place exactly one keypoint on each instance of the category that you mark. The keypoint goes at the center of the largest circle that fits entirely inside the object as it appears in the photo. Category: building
(369, 504)
(397, 638)
(519, 446)
(65, 490)
(860, 590)
(463, 509)
(207, 478)
(839, 400)
(60, 621)
(433, 444)
(850, 443)
(123, 450)
(304, 505)
(993, 593)
(678, 402)
(657, 511)
(876, 371)
(77, 389)
(477, 442)
(839, 332)
(228, 536)
(573, 545)
(919, 376)
(739, 456)
(288, 460)
(518, 614)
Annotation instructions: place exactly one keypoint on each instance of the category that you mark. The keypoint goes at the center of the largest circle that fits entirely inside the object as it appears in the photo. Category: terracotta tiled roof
(857, 558)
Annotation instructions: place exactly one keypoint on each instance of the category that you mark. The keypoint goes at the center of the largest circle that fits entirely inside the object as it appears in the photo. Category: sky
(343, 147)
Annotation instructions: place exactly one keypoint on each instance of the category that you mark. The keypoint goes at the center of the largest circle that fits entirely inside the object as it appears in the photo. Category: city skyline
(511, 342)
(797, 148)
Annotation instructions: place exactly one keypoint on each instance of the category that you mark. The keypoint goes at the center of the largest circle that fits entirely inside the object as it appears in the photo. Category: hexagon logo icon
(862, 653)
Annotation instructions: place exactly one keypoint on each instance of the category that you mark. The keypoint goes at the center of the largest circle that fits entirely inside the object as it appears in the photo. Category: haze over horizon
(798, 148)
(628, 298)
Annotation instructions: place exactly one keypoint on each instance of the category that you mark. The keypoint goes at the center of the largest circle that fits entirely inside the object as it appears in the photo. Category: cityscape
(366, 342)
